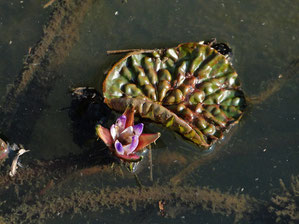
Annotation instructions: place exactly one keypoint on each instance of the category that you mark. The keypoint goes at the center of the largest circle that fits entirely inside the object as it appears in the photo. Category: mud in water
(21, 107)
(283, 208)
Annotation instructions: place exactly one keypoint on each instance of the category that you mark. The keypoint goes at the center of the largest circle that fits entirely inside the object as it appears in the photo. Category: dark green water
(264, 37)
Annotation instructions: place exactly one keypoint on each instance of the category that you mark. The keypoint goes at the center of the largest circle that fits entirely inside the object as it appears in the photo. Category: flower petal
(131, 147)
(146, 139)
(126, 134)
(114, 132)
(121, 122)
(138, 128)
(105, 135)
(130, 158)
(119, 148)
(129, 113)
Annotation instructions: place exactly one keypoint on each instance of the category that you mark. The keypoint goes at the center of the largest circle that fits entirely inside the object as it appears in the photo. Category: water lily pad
(192, 89)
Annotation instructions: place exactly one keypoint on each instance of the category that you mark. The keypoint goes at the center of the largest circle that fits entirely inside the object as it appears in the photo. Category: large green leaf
(192, 89)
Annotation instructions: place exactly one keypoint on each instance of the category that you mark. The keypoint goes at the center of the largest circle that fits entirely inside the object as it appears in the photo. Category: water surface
(264, 37)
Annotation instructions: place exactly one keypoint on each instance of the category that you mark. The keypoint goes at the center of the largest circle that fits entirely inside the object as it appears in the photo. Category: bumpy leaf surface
(192, 89)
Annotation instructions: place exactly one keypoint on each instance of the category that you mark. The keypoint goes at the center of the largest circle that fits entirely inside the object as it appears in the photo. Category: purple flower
(124, 138)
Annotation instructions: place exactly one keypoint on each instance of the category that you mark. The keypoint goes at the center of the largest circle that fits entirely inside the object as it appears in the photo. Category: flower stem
(150, 162)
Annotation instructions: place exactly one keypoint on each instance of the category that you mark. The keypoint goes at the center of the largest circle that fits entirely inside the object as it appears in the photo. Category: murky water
(264, 146)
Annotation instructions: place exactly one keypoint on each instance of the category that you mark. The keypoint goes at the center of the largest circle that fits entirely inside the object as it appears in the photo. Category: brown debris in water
(43, 172)
(108, 198)
(285, 206)
(46, 198)
(38, 73)
(34, 59)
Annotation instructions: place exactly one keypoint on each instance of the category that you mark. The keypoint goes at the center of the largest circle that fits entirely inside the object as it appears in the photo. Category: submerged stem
(150, 162)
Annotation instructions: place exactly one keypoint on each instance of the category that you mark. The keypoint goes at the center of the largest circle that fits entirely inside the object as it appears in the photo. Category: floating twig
(49, 3)
(131, 50)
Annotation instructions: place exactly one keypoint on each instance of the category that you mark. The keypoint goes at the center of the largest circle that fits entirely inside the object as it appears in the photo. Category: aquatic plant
(50, 207)
(192, 89)
(124, 139)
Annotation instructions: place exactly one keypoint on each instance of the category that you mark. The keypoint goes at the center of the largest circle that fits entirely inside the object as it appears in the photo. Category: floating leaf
(192, 89)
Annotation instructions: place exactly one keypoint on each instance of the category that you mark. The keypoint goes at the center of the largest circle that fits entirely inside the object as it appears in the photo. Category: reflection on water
(262, 148)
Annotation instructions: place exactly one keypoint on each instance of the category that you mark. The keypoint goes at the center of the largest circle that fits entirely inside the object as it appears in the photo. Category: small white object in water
(14, 165)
